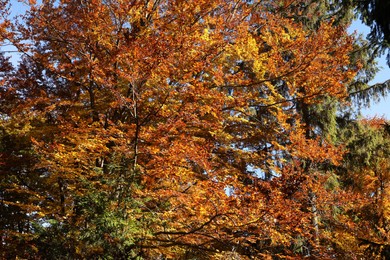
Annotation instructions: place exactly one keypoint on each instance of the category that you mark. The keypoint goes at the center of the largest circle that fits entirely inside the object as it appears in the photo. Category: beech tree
(175, 129)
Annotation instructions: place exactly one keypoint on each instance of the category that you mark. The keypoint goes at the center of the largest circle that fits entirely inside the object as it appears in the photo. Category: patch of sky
(381, 108)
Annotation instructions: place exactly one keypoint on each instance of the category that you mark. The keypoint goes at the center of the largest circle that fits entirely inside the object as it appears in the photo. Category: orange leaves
(315, 150)
(181, 116)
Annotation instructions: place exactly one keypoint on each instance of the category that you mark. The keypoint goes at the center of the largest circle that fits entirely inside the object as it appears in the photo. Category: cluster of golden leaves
(172, 103)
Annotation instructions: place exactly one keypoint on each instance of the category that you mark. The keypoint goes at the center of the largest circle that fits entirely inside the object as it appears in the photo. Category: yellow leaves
(346, 241)
(205, 35)
(246, 49)
(190, 105)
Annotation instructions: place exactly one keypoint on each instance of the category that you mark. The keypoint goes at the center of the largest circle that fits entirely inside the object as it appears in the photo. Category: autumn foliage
(183, 130)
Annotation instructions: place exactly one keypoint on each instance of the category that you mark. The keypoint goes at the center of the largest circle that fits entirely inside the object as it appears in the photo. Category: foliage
(185, 130)
(374, 13)
(365, 173)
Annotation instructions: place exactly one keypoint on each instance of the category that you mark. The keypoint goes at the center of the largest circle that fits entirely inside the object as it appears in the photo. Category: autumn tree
(357, 217)
(171, 129)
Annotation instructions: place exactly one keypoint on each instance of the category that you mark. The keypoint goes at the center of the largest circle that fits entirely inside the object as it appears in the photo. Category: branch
(193, 231)
(385, 84)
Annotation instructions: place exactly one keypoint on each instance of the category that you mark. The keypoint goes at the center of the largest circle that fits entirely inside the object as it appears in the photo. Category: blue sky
(381, 108)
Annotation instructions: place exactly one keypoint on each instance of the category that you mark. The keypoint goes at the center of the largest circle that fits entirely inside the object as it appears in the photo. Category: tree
(171, 129)
(364, 174)
(374, 13)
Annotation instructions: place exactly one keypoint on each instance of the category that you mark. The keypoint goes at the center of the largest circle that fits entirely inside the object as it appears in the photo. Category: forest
(199, 129)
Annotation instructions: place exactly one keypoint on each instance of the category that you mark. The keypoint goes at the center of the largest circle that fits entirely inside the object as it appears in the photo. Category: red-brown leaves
(182, 116)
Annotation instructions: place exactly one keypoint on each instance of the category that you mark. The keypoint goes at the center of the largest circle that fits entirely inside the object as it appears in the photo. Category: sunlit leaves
(167, 128)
